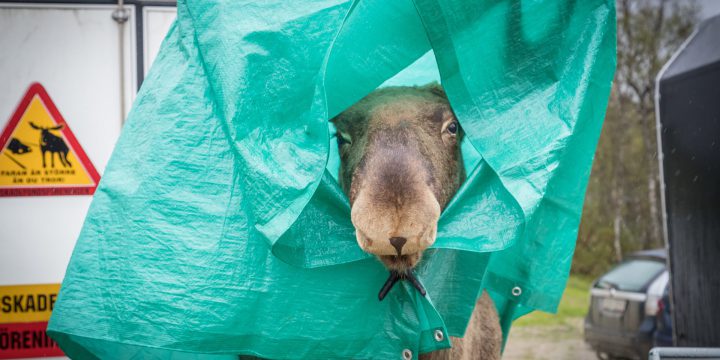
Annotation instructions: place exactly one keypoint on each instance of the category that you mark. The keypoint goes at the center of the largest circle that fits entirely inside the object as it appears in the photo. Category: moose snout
(389, 229)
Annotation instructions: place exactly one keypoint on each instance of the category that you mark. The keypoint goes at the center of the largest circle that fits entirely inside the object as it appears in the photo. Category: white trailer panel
(156, 23)
(74, 52)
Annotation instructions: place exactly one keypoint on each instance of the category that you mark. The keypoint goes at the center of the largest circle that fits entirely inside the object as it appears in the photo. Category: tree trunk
(617, 201)
(655, 224)
(650, 143)
(617, 194)
(617, 227)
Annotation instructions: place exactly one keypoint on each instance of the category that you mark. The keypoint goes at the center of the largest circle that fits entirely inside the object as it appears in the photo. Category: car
(620, 322)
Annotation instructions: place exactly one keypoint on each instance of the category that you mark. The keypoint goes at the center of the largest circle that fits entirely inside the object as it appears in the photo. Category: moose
(400, 164)
(53, 144)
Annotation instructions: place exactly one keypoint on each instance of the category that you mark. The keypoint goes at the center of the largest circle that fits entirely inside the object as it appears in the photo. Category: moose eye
(341, 139)
(452, 128)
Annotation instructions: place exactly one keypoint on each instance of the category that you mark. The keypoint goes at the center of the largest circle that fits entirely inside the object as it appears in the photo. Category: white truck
(69, 71)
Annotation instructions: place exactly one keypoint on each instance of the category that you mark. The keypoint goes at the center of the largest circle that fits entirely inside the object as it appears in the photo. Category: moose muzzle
(388, 223)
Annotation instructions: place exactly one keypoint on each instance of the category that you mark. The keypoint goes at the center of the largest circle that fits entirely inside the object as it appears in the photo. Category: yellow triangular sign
(40, 155)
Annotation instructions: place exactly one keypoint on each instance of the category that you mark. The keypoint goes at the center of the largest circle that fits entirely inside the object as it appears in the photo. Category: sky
(708, 8)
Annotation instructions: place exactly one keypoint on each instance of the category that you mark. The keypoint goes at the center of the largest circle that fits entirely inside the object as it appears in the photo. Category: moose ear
(345, 117)
(436, 89)
(336, 119)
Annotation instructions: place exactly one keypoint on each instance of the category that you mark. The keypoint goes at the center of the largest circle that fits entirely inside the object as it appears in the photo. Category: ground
(541, 336)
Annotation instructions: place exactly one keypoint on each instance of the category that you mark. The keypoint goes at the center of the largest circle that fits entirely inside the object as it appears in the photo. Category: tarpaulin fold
(219, 228)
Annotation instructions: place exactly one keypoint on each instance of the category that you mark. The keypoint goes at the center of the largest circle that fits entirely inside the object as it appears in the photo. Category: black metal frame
(140, 31)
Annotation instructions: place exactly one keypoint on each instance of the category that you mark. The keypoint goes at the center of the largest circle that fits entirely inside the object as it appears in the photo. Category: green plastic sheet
(219, 228)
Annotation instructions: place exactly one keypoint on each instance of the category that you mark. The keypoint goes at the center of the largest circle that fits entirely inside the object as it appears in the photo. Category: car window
(631, 275)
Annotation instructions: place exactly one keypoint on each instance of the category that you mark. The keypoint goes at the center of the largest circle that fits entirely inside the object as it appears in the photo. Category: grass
(573, 306)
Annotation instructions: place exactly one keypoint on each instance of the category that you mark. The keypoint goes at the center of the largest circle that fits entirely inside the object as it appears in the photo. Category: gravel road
(557, 342)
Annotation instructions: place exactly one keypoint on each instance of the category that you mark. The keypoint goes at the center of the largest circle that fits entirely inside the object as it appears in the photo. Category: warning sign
(27, 303)
(40, 155)
(24, 313)
(26, 340)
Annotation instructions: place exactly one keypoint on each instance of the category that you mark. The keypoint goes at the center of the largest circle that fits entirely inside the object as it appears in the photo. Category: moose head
(400, 165)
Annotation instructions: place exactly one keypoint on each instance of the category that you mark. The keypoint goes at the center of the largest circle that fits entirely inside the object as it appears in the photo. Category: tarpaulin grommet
(407, 354)
(439, 336)
(516, 291)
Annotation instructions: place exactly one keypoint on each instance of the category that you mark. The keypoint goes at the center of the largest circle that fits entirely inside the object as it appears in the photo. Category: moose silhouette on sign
(53, 144)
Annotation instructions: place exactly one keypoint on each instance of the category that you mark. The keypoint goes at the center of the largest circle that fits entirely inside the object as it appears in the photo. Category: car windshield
(631, 275)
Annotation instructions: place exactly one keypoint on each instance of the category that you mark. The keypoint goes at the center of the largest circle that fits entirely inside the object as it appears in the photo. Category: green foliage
(574, 305)
(622, 211)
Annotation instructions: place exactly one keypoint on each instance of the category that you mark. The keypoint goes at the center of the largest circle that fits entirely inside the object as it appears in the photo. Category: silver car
(624, 302)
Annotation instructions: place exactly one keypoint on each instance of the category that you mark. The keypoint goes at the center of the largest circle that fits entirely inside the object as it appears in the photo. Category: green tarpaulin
(219, 229)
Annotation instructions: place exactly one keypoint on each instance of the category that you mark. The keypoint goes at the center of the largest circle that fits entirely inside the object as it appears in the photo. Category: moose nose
(398, 243)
